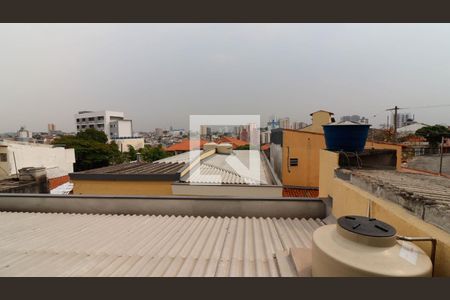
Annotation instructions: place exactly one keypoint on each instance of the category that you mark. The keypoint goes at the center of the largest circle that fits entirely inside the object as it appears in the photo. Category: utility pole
(395, 109)
(395, 123)
(442, 154)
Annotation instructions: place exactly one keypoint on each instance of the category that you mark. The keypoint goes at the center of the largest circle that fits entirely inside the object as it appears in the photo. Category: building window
(3, 157)
(78, 126)
(100, 125)
(293, 162)
(91, 126)
(78, 120)
(83, 126)
(91, 119)
(84, 119)
(100, 118)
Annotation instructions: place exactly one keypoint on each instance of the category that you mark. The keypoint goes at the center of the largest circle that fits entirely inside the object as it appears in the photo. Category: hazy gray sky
(159, 74)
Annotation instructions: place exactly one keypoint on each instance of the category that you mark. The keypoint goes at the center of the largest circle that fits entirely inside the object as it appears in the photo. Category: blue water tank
(346, 136)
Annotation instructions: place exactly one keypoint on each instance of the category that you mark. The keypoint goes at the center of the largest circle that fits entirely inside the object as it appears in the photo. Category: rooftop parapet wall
(275, 207)
(350, 199)
(426, 196)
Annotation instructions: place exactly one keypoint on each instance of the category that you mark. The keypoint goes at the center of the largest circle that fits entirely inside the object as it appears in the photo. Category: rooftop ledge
(269, 207)
(426, 196)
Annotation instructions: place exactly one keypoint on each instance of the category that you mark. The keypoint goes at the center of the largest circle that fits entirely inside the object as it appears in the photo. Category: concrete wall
(121, 128)
(35, 155)
(276, 159)
(348, 199)
(117, 187)
(306, 147)
(185, 206)
(329, 161)
(379, 145)
(137, 143)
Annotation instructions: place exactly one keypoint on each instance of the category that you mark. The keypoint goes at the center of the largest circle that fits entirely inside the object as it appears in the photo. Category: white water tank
(209, 146)
(361, 246)
(224, 148)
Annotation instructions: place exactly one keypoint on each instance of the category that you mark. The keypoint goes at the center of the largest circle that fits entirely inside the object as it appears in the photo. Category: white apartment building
(107, 121)
(16, 155)
(120, 129)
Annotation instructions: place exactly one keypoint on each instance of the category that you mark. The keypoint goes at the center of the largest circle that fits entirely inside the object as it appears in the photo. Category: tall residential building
(51, 127)
(299, 125)
(403, 119)
(265, 137)
(106, 121)
(244, 135)
(159, 132)
(284, 123)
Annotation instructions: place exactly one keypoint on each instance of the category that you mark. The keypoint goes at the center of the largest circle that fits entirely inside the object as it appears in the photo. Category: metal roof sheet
(176, 159)
(135, 170)
(51, 244)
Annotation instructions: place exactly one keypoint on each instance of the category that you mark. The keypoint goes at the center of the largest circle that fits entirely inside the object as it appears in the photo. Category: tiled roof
(300, 192)
(51, 244)
(234, 141)
(184, 145)
(135, 170)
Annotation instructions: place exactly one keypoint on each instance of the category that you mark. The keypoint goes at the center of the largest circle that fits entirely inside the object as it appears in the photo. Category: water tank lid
(366, 226)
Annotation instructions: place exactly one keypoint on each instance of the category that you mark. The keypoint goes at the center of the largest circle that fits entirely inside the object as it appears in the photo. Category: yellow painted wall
(375, 145)
(349, 199)
(328, 162)
(319, 118)
(115, 187)
(305, 146)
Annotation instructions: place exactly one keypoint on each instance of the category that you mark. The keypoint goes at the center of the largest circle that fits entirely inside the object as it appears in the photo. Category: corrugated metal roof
(176, 159)
(133, 171)
(136, 168)
(50, 244)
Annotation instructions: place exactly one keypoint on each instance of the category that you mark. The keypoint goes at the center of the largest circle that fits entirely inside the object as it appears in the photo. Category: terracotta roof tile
(184, 145)
(300, 192)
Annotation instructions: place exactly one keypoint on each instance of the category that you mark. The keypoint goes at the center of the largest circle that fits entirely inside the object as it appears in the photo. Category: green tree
(91, 150)
(93, 134)
(151, 154)
(132, 153)
(433, 134)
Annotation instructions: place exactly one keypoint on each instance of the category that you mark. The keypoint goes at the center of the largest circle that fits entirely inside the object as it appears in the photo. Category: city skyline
(159, 74)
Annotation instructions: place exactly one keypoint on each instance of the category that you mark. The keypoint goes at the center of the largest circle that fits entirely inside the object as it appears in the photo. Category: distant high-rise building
(159, 132)
(265, 137)
(51, 127)
(113, 124)
(244, 135)
(284, 123)
(403, 119)
(299, 125)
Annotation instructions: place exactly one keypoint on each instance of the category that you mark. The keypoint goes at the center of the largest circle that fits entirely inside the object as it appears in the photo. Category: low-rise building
(16, 155)
(112, 123)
